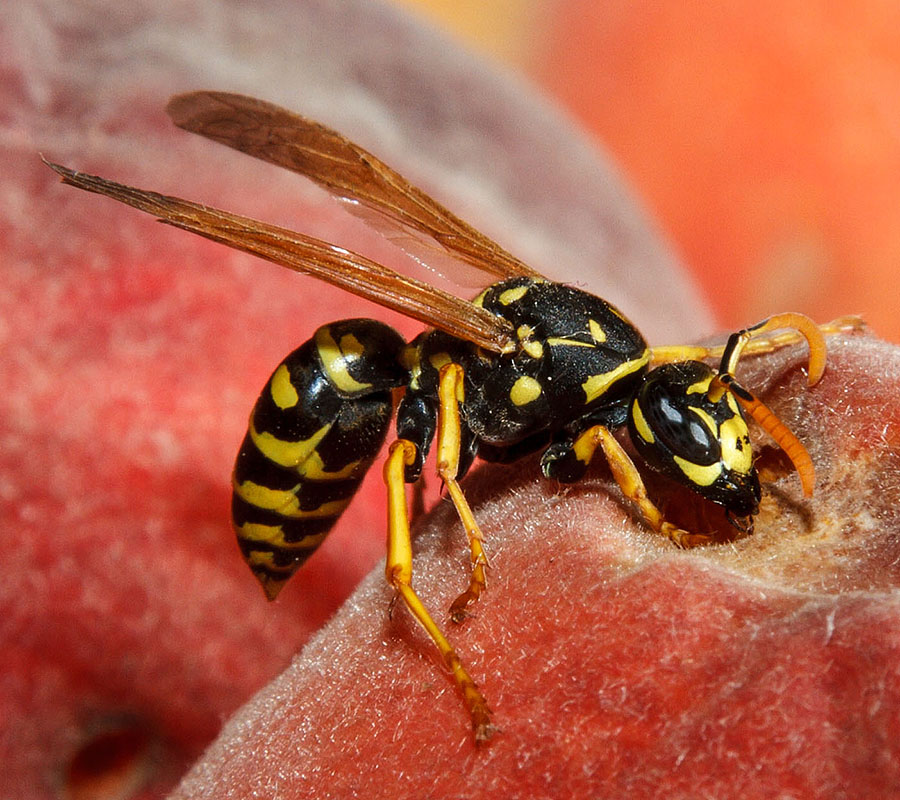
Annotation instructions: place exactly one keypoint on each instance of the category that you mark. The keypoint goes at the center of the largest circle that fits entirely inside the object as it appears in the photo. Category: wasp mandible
(528, 366)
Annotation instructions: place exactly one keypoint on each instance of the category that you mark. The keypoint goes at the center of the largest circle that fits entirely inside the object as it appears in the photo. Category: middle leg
(449, 438)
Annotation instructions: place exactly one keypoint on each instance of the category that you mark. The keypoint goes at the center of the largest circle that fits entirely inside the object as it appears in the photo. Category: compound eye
(679, 424)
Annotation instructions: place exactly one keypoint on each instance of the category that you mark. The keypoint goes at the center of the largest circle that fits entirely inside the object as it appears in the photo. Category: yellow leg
(631, 484)
(398, 571)
(448, 443)
(757, 345)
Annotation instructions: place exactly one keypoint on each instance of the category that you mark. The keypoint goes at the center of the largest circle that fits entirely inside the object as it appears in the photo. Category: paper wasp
(527, 366)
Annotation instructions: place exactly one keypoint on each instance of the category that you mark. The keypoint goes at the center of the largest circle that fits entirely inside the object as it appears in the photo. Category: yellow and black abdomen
(315, 430)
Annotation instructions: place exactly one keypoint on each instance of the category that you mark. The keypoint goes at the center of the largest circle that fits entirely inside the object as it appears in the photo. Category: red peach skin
(130, 629)
(617, 666)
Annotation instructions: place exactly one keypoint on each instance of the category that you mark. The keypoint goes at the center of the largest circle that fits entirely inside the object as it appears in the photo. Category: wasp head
(691, 428)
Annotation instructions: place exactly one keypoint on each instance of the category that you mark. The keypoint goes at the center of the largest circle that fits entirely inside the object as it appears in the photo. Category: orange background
(765, 136)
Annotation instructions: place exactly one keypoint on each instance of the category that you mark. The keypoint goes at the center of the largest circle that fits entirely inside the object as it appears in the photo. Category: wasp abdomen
(318, 424)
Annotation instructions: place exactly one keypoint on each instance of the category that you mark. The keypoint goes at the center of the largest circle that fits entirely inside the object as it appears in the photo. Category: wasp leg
(757, 345)
(449, 437)
(398, 571)
(631, 484)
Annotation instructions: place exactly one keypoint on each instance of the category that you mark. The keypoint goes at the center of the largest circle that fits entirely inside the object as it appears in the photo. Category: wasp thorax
(693, 431)
(575, 355)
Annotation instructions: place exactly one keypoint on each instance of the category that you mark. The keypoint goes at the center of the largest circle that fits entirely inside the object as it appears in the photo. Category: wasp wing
(375, 192)
(328, 262)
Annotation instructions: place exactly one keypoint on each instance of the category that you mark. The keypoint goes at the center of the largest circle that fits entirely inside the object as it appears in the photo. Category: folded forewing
(372, 190)
(336, 265)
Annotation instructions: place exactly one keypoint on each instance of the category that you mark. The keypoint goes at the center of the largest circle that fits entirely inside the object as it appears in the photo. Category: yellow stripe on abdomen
(286, 502)
(287, 453)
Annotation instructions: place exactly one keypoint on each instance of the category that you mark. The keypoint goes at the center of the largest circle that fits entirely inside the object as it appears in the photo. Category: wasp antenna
(791, 320)
(783, 436)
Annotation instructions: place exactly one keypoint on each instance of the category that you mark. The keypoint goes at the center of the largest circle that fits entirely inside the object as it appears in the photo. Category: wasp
(528, 366)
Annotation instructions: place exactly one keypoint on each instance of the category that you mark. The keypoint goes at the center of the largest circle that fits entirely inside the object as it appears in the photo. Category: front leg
(760, 340)
(568, 460)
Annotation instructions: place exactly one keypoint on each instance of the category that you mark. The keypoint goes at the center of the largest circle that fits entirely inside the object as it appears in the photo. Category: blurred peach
(764, 136)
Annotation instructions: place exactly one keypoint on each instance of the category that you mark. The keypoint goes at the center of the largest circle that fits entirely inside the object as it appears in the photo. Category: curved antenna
(790, 320)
